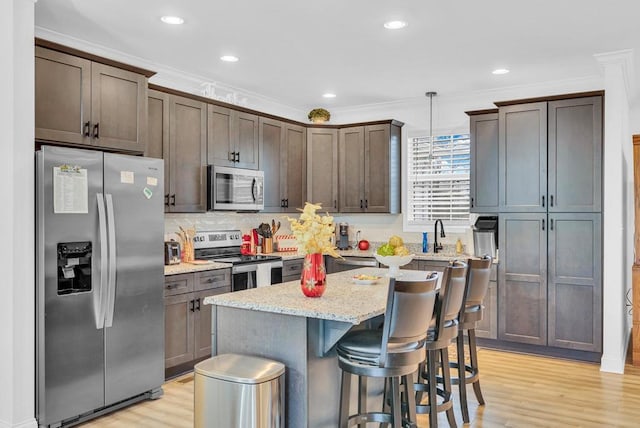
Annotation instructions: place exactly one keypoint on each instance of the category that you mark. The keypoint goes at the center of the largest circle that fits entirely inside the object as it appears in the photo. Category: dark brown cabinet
(322, 167)
(369, 179)
(484, 162)
(82, 102)
(232, 138)
(187, 318)
(283, 154)
(292, 270)
(178, 134)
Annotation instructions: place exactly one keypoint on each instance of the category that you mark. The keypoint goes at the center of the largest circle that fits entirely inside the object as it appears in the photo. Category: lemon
(401, 251)
(396, 241)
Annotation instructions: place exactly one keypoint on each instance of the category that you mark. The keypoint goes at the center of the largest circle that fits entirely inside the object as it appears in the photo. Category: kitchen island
(280, 323)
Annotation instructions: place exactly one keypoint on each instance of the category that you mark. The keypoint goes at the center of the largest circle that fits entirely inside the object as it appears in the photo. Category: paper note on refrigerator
(70, 190)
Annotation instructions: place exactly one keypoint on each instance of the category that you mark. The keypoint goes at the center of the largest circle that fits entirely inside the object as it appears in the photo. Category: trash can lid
(240, 368)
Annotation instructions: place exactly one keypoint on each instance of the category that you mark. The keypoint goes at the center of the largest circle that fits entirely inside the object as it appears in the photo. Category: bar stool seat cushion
(365, 346)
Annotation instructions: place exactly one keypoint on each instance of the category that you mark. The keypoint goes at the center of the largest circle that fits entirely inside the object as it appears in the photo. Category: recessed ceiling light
(329, 95)
(395, 25)
(229, 58)
(174, 20)
(500, 71)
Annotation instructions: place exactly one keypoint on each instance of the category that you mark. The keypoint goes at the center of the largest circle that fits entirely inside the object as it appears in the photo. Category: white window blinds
(438, 179)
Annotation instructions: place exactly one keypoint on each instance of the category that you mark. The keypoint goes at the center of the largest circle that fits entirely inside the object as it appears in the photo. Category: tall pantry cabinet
(550, 201)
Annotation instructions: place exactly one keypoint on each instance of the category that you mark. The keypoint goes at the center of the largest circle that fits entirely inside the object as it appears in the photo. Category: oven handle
(252, 267)
(348, 262)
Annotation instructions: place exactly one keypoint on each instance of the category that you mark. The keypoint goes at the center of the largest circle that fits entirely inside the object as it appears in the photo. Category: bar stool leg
(345, 395)
(411, 400)
(446, 384)
(432, 383)
(362, 397)
(473, 355)
(396, 408)
(462, 375)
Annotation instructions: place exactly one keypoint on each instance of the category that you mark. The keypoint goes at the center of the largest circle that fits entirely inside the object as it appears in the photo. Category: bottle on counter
(425, 242)
(459, 247)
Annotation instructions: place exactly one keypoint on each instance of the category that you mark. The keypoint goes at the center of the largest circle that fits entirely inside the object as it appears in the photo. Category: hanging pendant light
(431, 94)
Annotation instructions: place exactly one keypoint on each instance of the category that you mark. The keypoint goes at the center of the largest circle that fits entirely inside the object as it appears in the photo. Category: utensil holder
(267, 245)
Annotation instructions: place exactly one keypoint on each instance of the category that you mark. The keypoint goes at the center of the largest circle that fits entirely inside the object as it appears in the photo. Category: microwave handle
(253, 189)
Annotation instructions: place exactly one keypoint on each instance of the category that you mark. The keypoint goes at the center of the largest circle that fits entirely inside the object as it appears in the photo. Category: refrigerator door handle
(111, 231)
(100, 297)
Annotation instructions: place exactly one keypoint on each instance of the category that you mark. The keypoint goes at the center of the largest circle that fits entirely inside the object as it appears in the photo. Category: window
(438, 180)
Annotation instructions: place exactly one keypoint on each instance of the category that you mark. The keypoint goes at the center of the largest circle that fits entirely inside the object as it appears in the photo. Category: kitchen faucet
(437, 247)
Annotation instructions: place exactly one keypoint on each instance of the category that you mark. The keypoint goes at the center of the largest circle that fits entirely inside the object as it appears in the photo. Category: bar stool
(440, 335)
(477, 284)
(393, 352)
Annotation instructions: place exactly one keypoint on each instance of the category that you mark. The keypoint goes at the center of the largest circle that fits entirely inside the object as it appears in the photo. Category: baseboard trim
(29, 423)
(616, 365)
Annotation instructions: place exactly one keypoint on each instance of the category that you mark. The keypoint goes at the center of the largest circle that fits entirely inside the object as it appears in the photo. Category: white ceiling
(293, 51)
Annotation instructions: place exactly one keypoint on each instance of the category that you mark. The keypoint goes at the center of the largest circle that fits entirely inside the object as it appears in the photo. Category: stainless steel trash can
(239, 391)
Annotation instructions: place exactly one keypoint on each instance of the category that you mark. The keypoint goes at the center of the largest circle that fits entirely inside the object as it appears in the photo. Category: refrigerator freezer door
(134, 354)
(70, 348)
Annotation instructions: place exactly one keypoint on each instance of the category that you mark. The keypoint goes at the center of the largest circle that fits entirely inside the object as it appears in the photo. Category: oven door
(245, 276)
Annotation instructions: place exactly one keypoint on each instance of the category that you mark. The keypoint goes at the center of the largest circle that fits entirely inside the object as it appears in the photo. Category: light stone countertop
(189, 268)
(342, 300)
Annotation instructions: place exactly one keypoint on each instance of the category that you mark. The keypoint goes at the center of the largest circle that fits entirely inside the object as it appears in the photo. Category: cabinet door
(414, 265)
(322, 167)
(484, 163)
(522, 274)
(118, 108)
(158, 134)
(575, 155)
(523, 157)
(178, 329)
(575, 281)
(202, 321)
(488, 325)
(376, 168)
(219, 140)
(271, 159)
(294, 166)
(247, 144)
(352, 167)
(62, 97)
(188, 148)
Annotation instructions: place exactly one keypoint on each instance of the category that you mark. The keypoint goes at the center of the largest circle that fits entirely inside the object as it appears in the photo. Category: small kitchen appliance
(485, 236)
(171, 253)
(342, 241)
(247, 270)
(234, 189)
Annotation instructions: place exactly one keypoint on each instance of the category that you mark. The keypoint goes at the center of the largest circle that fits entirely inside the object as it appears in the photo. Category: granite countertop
(342, 300)
(189, 268)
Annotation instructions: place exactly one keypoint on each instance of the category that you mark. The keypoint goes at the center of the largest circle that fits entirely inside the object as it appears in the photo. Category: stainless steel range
(248, 271)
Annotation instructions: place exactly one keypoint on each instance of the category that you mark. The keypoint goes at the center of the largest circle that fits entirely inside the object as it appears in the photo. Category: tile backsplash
(372, 227)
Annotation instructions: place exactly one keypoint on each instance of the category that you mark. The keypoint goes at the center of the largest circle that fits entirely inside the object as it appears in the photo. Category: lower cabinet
(488, 326)
(551, 280)
(187, 318)
(292, 270)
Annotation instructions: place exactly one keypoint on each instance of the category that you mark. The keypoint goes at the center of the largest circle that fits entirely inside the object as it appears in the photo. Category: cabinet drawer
(212, 279)
(178, 284)
(433, 265)
(292, 267)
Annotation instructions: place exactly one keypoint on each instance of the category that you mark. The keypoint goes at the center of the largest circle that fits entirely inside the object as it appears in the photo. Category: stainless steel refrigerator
(99, 279)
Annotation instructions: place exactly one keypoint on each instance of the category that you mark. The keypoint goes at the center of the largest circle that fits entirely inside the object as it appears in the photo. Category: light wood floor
(520, 391)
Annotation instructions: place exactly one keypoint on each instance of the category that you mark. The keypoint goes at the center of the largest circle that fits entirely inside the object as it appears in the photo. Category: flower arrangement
(314, 232)
(319, 115)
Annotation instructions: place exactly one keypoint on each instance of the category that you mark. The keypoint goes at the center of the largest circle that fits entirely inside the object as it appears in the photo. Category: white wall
(17, 334)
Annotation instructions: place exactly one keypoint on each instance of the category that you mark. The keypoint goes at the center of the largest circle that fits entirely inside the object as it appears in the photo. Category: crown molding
(624, 60)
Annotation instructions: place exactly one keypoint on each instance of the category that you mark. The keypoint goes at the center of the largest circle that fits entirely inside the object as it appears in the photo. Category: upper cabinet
(283, 155)
(322, 167)
(523, 157)
(232, 138)
(484, 162)
(575, 155)
(178, 134)
(551, 156)
(83, 102)
(369, 172)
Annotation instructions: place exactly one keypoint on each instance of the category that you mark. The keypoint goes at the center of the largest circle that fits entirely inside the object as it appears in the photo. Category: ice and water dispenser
(485, 236)
(74, 267)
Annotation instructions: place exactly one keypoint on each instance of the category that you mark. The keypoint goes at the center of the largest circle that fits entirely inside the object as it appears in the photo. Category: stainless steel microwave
(234, 189)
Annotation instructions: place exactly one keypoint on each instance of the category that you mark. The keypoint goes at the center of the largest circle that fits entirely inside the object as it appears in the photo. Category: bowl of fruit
(393, 254)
